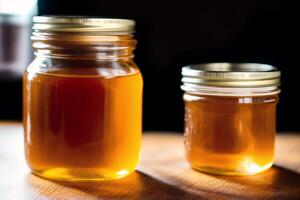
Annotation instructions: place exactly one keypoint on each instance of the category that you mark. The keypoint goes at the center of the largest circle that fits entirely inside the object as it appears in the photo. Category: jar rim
(82, 24)
(235, 75)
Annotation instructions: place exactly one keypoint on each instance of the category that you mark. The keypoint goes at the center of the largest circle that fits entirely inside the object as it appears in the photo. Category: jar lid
(238, 75)
(82, 24)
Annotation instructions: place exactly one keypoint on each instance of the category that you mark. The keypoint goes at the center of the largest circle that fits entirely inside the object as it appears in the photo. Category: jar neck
(230, 91)
(83, 45)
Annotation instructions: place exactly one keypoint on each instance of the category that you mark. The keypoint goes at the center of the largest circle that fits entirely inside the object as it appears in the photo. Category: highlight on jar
(82, 99)
(230, 117)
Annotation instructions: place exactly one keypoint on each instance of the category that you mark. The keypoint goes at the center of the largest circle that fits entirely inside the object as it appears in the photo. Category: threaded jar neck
(231, 79)
(83, 38)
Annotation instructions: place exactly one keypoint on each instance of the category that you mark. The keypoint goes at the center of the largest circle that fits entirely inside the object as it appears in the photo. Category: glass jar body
(82, 117)
(230, 135)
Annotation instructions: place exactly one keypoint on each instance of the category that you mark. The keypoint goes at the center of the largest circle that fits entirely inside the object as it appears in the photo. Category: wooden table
(162, 174)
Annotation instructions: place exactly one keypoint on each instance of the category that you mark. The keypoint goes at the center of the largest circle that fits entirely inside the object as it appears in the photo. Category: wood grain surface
(163, 173)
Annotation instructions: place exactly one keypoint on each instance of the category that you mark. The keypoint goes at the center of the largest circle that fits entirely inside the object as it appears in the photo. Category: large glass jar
(230, 117)
(82, 99)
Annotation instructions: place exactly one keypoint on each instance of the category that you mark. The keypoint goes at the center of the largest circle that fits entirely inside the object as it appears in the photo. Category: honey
(236, 132)
(229, 130)
(82, 113)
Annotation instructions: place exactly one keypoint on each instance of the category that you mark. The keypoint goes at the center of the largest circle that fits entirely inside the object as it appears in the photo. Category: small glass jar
(82, 99)
(230, 117)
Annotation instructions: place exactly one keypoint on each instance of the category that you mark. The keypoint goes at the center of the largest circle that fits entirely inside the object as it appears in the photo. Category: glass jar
(82, 99)
(15, 46)
(230, 117)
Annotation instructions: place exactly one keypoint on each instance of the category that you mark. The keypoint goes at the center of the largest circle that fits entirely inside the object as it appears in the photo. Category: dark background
(173, 34)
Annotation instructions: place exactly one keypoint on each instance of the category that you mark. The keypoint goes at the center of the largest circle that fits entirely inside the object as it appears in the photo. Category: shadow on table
(276, 183)
(135, 186)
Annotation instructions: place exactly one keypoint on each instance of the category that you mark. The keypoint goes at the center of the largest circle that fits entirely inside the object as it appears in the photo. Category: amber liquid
(82, 127)
(230, 135)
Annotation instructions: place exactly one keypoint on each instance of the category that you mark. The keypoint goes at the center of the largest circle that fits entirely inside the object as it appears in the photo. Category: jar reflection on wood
(230, 117)
(82, 99)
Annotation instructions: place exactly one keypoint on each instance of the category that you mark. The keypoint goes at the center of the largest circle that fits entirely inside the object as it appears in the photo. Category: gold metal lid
(82, 24)
(244, 75)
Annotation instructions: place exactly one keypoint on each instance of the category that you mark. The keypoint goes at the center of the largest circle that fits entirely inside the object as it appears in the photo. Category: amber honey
(82, 100)
(230, 117)
(230, 135)
(84, 124)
